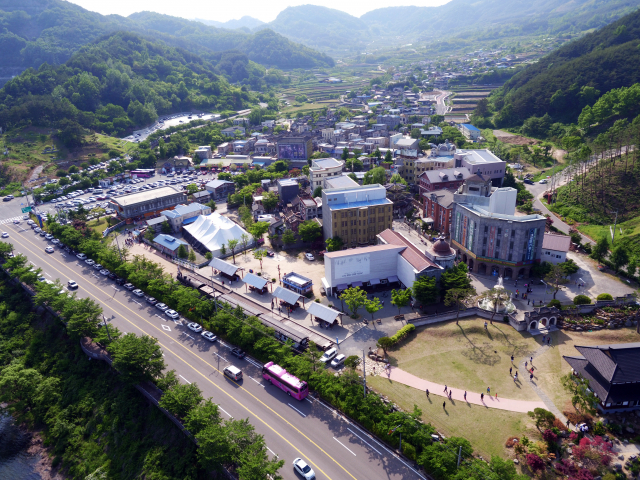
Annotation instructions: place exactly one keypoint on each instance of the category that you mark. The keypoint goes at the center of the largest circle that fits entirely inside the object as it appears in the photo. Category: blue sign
(39, 220)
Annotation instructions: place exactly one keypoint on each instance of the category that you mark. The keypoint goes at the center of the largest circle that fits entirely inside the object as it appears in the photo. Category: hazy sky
(224, 10)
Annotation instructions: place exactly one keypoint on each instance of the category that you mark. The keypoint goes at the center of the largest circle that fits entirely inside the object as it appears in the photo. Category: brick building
(438, 208)
(445, 179)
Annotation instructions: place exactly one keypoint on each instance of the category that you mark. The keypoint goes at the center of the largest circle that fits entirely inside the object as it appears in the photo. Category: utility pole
(106, 326)
(364, 373)
(459, 455)
(613, 236)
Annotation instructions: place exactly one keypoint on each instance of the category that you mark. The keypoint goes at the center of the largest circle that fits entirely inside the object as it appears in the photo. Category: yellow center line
(208, 379)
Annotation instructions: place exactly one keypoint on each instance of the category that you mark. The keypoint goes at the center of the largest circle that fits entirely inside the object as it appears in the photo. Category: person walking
(515, 378)
(531, 361)
(510, 370)
(496, 395)
(465, 395)
(427, 393)
(488, 390)
(516, 375)
(528, 301)
(511, 358)
(544, 337)
(526, 364)
(531, 377)
(482, 397)
(445, 389)
(444, 405)
(450, 392)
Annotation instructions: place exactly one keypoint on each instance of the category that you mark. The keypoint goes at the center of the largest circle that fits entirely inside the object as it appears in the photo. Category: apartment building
(322, 169)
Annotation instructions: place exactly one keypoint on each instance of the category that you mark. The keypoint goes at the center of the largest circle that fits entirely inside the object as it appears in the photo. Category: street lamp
(544, 298)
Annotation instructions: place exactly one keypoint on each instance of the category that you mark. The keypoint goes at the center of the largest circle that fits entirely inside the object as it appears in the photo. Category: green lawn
(467, 357)
(487, 429)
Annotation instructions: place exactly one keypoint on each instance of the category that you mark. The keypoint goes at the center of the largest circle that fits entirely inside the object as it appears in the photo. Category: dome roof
(441, 247)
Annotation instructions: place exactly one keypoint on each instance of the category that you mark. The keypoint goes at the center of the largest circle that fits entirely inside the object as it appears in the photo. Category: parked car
(338, 361)
(97, 266)
(161, 306)
(309, 257)
(172, 314)
(329, 355)
(528, 181)
(89, 262)
(238, 352)
(209, 336)
(112, 276)
(151, 300)
(138, 293)
(193, 326)
(120, 281)
(104, 272)
(129, 286)
(81, 256)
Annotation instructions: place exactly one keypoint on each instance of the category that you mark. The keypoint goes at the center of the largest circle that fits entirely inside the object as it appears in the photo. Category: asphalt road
(335, 448)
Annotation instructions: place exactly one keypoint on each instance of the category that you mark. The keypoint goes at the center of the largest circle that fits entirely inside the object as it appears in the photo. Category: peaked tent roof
(224, 267)
(214, 230)
(255, 281)
(322, 311)
(288, 296)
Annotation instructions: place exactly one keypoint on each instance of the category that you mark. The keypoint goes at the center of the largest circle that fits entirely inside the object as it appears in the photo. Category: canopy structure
(356, 284)
(374, 281)
(213, 231)
(342, 286)
(392, 279)
(225, 267)
(248, 309)
(323, 312)
(255, 281)
(286, 295)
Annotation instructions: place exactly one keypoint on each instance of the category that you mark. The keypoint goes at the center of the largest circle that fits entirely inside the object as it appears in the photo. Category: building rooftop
(146, 196)
(340, 182)
(326, 163)
(478, 157)
(468, 126)
(183, 210)
(444, 197)
(559, 243)
(169, 242)
(411, 254)
(358, 251)
(217, 183)
(481, 211)
(452, 174)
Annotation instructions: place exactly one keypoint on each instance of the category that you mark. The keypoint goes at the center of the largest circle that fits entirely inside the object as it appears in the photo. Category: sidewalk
(405, 378)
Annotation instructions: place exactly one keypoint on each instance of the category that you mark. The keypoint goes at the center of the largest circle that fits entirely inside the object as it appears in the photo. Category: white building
(482, 162)
(469, 131)
(555, 248)
(323, 169)
(204, 152)
(184, 214)
(209, 233)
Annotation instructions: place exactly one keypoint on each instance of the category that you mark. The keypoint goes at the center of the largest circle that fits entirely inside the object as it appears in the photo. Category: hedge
(402, 333)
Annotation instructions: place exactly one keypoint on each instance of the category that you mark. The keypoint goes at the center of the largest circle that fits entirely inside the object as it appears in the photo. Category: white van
(328, 355)
(233, 373)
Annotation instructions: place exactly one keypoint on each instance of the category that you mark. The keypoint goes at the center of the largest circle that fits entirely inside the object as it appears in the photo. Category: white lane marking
(166, 327)
(364, 442)
(115, 288)
(64, 255)
(47, 274)
(255, 364)
(274, 453)
(184, 379)
(343, 445)
(224, 411)
(177, 322)
(137, 302)
(256, 381)
(296, 410)
(97, 276)
(189, 336)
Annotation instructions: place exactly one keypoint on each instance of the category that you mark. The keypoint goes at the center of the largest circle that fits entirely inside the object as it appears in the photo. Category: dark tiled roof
(617, 363)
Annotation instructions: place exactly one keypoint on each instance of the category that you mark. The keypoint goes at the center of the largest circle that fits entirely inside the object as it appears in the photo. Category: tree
(355, 298)
(318, 191)
(385, 343)
(576, 237)
(150, 234)
(425, 290)
(396, 178)
(269, 200)
(334, 244)
(191, 189)
(202, 415)
(619, 257)
(372, 306)
(258, 229)
(212, 205)
(137, 358)
(83, 316)
(244, 240)
(192, 256)
(569, 267)
(182, 251)
(259, 255)
(458, 297)
(400, 298)
(496, 296)
(582, 398)
(181, 399)
(352, 361)
(165, 227)
(581, 300)
(233, 244)
(601, 249)
(377, 175)
(345, 154)
(456, 277)
(309, 230)
(556, 278)
(535, 463)
(288, 237)
(208, 256)
(544, 418)
(388, 157)
(5, 249)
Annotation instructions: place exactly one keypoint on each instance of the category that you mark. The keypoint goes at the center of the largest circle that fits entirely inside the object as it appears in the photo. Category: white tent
(213, 231)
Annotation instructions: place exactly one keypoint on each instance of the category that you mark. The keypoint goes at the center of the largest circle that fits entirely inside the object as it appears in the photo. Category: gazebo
(227, 269)
(255, 283)
(288, 298)
(323, 313)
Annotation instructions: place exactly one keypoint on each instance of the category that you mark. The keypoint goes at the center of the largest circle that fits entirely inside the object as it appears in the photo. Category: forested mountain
(117, 83)
(244, 22)
(36, 31)
(565, 81)
(333, 30)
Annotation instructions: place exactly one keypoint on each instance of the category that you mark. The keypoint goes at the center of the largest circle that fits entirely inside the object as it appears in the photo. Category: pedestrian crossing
(10, 220)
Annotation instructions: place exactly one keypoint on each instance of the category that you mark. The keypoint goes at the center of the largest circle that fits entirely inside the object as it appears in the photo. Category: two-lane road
(334, 447)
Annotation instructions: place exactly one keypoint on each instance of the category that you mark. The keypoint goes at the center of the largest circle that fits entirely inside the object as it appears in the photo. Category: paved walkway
(523, 406)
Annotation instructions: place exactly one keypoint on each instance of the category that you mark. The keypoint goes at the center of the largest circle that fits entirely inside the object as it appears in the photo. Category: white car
(301, 467)
(89, 262)
(172, 314)
(543, 181)
(193, 326)
(339, 360)
(5, 235)
(209, 336)
(49, 249)
(17, 222)
(309, 257)
(161, 306)
(25, 217)
(138, 293)
(81, 256)
(104, 272)
(329, 355)
(71, 284)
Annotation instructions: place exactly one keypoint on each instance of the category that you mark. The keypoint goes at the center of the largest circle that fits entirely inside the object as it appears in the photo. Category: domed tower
(441, 253)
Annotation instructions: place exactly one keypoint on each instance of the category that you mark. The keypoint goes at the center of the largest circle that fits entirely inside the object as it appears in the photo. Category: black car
(238, 353)
(528, 181)
(120, 281)
(62, 246)
(112, 276)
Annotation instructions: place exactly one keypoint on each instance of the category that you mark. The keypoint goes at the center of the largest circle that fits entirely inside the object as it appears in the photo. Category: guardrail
(108, 230)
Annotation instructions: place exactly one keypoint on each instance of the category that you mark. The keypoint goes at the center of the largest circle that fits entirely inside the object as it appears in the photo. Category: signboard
(352, 266)
(295, 151)
(26, 209)
(531, 243)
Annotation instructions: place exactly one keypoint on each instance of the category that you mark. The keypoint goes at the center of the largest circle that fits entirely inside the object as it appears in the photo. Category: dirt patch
(36, 173)
(506, 137)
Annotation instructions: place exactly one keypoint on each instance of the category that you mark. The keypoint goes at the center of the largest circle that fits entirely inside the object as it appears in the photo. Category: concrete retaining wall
(469, 312)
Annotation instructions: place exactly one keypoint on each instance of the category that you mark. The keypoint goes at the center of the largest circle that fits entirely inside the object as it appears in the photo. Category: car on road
(49, 249)
(42, 233)
(25, 217)
(104, 272)
(17, 222)
(97, 266)
(172, 314)
(71, 284)
(129, 286)
(5, 235)
(55, 241)
(7, 198)
(329, 355)
(151, 300)
(301, 468)
(112, 276)
(234, 373)
(138, 293)
(309, 257)
(209, 336)
(528, 181)
(238, 352)
(543, 181)
(89, 262)
(41, 279)
(81, 256)
(161, 306)
(338, 361)
(194, 327)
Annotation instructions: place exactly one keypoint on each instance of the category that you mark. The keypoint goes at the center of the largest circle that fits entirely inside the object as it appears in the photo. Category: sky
(223, 11)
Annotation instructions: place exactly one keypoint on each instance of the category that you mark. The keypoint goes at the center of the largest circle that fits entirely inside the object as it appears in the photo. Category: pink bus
(279, 377)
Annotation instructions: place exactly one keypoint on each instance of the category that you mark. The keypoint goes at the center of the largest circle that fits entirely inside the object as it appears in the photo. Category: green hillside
(115, 84)
(565, 81)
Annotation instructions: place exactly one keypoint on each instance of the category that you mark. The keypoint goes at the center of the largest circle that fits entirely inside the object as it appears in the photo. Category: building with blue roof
(469, 131)
(168, 244)
(185, 214)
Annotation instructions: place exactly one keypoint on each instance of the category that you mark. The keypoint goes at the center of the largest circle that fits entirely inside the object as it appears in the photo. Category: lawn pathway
(397, 375)
(543, 396)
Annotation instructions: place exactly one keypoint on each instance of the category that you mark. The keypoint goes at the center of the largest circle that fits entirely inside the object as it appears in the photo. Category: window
(486, 230)
(513, 233)
(510, 256)
(498, 243)
(511, 246)
(499, 231)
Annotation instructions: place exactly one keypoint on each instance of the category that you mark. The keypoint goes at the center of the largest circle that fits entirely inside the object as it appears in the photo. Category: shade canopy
(225, 267)
(213, 231)
(342, 286)
(255, 281)
(392, 279)
(287, 295)
(323, 312)
(374, 281)
(356, 284)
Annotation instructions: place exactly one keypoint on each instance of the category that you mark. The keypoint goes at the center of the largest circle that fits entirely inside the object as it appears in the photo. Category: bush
(409, 451)
(581, 300)
(402, 333)
(554, 303)
(604, 296)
